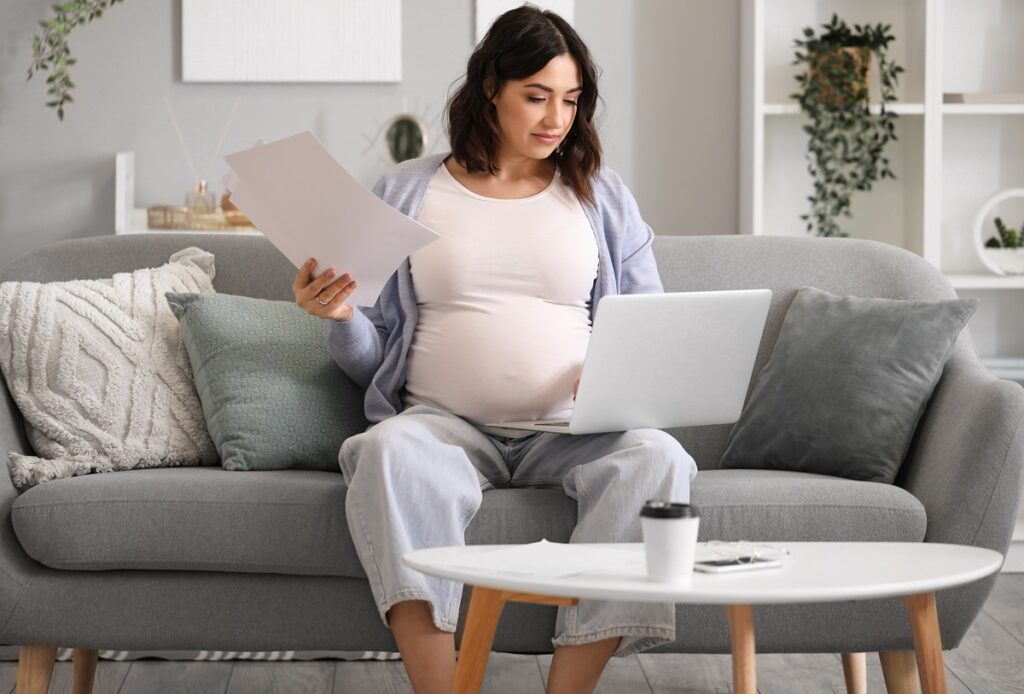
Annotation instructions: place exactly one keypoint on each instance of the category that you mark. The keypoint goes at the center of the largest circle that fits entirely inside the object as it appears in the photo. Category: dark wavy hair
(518, 44)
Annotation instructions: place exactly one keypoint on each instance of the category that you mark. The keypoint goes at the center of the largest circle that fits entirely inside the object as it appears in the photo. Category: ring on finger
(320, 300)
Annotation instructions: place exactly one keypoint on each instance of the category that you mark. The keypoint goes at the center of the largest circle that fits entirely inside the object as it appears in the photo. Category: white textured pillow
(100, 373)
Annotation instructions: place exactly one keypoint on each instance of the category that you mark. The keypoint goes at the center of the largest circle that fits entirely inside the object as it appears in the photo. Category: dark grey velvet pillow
(846, 385)
(272, 396)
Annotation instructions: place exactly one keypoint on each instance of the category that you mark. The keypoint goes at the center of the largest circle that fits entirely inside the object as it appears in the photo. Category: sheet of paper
(309, 206)
(709, 551)
(549, 559)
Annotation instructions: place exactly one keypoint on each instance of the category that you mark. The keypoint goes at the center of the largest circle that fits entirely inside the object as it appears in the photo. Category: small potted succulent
(1006, 249)
(846, 140)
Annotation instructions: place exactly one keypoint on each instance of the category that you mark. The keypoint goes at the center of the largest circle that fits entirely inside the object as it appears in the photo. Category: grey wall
(686, 115)
(669, 81)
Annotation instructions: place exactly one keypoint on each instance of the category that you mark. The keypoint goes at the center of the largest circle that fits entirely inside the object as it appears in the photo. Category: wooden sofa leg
(84, 661)
(899, 668)
(855, 670)
(35, 666)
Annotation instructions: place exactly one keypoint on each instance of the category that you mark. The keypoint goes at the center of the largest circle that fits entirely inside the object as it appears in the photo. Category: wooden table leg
(83, 670)
(924, 622)
(744, 662)
(899, 670)
(35, 666)
(485, 606)
(855, 672)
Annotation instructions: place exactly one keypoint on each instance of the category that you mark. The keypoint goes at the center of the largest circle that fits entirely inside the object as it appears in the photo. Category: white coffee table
(817, 572)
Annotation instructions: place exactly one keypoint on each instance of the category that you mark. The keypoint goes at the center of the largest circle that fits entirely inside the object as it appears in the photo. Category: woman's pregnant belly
(501, 361)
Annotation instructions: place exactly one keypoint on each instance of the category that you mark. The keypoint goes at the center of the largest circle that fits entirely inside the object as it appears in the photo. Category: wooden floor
(990, 660)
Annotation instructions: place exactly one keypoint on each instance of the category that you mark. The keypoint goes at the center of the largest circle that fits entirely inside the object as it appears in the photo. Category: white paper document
(295, 192)
(549, 559)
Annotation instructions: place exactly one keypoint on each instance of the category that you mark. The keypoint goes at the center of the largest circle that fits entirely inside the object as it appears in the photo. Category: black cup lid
(656, 508)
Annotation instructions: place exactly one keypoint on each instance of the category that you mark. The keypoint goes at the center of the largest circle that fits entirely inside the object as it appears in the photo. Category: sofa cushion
(293, 521)
(847, 382)
(272, 395)
(99, 372)
(786, 506)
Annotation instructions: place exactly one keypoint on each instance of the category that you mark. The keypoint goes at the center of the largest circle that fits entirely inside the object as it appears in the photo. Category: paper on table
(548, 559)
(731, 551)
(295, 192)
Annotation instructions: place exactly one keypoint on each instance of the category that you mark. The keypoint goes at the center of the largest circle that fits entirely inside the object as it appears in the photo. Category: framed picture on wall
(308, 41)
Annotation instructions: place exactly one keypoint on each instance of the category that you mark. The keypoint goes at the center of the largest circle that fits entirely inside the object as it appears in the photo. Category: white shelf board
(1011, 368)
(190, 231)
(787, 109)
(1015, 375)
(986, 281)
(137, 223)
(983, 109)
(1008, 369)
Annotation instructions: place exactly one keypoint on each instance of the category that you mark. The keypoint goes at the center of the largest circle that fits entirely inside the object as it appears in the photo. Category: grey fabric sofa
(186, 558)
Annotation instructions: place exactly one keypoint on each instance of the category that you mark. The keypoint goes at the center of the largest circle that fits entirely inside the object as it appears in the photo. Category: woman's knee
(663, 452)
(402, 454)
(388, 444)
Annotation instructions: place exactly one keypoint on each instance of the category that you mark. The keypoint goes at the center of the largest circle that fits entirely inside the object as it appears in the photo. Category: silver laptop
(676, 359)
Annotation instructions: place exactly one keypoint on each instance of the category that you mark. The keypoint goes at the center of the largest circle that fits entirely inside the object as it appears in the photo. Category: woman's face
(543, 104)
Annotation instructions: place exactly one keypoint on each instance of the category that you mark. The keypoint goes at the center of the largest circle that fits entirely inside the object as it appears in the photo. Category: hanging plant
(51, 52)
(845, 140)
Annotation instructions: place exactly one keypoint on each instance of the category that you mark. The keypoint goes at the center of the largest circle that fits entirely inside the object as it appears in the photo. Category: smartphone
(720, 566)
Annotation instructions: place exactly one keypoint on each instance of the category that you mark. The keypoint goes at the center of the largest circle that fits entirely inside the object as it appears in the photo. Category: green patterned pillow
(271, 394)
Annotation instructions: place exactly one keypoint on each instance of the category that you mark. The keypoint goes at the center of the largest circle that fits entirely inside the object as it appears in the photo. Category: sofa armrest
(16, 567)
(966, 459)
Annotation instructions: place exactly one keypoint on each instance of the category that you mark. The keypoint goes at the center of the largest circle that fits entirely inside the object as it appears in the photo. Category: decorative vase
(1001, 261)
(200, 200)
(1009, 260)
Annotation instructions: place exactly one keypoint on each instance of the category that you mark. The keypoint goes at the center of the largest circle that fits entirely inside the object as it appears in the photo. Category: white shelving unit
(129, 219)
(775, 182)
(949, 158)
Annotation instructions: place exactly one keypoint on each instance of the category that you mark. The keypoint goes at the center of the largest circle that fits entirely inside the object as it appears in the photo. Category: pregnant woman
(490, 323)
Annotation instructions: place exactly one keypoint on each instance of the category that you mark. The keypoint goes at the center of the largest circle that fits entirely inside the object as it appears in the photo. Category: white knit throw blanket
(100, 373)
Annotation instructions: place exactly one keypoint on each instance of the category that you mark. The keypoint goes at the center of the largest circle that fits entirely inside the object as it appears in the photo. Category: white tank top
(504, 303)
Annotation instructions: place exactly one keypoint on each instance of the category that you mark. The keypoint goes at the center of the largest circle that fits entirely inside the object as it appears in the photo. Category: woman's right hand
(322, 297)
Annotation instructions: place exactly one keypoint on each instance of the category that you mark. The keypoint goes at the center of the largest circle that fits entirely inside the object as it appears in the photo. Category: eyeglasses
(744, 551)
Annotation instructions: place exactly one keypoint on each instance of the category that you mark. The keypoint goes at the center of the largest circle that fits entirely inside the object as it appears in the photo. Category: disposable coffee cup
(670, 539)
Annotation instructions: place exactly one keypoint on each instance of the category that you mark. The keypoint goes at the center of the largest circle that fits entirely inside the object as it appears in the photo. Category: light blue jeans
(416, 480)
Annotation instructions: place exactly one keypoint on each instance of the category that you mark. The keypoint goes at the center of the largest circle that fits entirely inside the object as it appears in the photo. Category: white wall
(57, 179)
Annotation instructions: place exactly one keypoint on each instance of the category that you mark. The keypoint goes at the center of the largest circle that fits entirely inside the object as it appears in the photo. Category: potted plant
(51, 52)
(846, 140)
(1007, 248)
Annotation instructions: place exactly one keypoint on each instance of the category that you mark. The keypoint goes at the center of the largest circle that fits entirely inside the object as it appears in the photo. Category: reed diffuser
(200, 211)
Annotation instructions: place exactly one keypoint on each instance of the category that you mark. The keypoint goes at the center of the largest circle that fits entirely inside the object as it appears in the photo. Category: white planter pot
(1009, 260)
(1002, 261)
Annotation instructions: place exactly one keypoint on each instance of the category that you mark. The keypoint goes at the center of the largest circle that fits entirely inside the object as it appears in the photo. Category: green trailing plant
(50, 51)
(1007, 238)
(845, 139)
